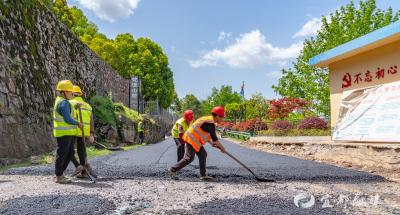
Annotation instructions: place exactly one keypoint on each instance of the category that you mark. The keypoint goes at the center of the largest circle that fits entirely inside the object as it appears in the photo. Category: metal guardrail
(235, 134)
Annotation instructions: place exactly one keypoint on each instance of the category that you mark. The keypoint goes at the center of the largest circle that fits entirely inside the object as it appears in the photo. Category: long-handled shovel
(92, 177)
(113, 148)
(258, 178)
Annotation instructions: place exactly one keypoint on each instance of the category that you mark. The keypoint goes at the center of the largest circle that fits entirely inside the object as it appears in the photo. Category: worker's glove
(91, 138)
(80, 126)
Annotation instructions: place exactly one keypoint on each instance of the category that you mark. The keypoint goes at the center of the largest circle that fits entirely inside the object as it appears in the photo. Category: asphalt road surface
(136, 182)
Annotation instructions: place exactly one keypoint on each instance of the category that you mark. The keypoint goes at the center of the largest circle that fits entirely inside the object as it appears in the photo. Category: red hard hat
(188, 115)
(219, 110)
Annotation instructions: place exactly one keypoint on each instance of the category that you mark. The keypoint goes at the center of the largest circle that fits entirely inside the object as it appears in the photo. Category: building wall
(36, 51)
(386, 57)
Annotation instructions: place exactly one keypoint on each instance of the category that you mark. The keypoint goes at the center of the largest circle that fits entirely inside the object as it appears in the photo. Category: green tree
(256, 107)
(223, 96)
(129, 57)
(81, 26)
(234, 111)
(177, 105)
(151, 64)
(106, 49)
(191, 102)
(61, 9)
(345, 24)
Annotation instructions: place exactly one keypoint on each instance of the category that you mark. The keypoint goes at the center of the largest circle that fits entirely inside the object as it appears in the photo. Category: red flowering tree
(281, 108)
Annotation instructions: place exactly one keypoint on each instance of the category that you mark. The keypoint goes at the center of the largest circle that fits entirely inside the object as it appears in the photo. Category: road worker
(179, 128)
(140, 130)
(199, 133)
(65, 127)
(88, 128)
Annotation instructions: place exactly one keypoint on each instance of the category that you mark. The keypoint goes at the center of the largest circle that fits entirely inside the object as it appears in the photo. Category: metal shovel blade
(258, 178)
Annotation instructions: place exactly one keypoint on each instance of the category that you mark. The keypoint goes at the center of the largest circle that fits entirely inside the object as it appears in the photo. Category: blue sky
(218, 42)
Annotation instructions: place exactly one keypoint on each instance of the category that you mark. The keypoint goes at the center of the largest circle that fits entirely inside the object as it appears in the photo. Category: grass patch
(133, 146)
(50, 158)
(93, 152)
(17, 165)
(127, 112)
(296, 132)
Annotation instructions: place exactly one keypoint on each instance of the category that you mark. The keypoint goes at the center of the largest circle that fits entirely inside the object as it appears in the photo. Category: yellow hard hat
(77, 89)
(65, 85)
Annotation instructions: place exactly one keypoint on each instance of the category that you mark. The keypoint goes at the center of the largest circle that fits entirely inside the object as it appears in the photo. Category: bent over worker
(179, 128)
(198, 134)
(64, 130)
(88, 127)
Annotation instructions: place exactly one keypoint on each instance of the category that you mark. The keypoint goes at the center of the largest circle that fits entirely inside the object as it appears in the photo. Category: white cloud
(248, 51)
(310, 28)
(224, 35)
(111, 10)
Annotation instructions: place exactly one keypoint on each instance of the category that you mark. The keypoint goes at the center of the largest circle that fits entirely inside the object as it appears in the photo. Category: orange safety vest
(196, 136)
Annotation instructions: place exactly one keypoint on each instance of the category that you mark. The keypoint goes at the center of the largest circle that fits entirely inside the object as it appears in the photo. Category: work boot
(172, 174)
(82, 175)
(90, 171)
(205, 178)
(78, 170)
(62, 180)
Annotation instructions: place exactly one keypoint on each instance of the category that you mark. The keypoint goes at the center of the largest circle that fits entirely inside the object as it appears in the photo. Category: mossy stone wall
(36, 51)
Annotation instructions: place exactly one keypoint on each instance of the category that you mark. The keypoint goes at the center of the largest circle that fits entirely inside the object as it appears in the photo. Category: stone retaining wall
(36, 51)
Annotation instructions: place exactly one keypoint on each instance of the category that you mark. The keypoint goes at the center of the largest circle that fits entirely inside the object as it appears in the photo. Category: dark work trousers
(180, 148)
(141, 137)
(189, 157)
(80, 148)
(65, 150)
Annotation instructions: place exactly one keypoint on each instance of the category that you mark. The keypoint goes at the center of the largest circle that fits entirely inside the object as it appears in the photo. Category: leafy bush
(296, 132)
(313, 123)
(103, 110)
(281, 125)
(248, 125)
(226, 125)
(281, 108)
(121, 109)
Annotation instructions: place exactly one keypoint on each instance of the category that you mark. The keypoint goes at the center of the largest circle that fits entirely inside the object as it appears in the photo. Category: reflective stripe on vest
(195, 136)
(175, 128)
(86, 110)
(140, 127)
(61, 128)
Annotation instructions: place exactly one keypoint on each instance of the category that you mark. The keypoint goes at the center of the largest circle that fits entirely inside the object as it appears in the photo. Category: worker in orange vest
(203, 130)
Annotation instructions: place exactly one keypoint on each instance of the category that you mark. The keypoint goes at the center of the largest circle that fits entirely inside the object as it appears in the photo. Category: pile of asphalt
(58, 204)
(137, 182)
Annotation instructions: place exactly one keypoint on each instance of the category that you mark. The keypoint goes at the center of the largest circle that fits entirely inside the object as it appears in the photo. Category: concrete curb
(318, 140)
(384, 158)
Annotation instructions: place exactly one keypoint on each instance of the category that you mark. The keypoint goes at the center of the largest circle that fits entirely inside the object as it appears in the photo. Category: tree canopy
(345, 24)
(223, 96)
(191, 102)
(129, 57)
